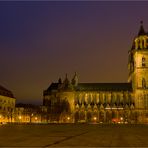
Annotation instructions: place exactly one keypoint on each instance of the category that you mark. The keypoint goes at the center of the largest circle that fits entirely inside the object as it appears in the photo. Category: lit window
(143, 62)
(143, 83)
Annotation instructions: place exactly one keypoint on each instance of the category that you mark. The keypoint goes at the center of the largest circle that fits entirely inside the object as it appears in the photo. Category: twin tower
(138, 69)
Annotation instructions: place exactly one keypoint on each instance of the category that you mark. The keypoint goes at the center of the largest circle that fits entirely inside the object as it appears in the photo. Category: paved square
(73, 135)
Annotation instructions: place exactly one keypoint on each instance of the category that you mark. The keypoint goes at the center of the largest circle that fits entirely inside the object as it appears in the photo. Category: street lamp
(95, 118)
(20, 117)
(31, 116)
(36, 118)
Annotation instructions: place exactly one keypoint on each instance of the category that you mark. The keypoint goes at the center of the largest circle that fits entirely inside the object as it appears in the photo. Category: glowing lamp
(95, 118)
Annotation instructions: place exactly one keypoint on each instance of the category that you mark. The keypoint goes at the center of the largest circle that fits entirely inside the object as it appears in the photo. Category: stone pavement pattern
(73, 135)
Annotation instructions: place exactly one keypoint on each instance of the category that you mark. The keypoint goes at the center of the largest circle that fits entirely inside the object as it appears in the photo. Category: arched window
(142, 43)
(143, 61)
(137, 43)
(143, 83)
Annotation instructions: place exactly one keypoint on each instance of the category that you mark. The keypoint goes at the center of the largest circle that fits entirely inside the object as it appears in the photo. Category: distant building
(28, 113)
(7, 105)
(71, 101)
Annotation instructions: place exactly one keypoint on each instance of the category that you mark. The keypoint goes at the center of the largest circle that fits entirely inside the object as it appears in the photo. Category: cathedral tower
(138, 69)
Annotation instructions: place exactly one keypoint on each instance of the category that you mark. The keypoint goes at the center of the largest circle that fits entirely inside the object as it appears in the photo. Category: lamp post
(31, 117)
(20, 117)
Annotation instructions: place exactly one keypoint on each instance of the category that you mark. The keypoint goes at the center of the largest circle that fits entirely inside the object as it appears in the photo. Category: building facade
(7, 105)
(71, 101)
(28, 113)
(19, 113)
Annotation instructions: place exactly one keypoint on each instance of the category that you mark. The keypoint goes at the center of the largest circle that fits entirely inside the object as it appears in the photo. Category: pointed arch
(101, 116)
(82, 115)
(76, 116)
(143, 83)
(89, 116)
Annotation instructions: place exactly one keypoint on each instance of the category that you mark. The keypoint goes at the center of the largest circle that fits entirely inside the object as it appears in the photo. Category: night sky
(42, 41)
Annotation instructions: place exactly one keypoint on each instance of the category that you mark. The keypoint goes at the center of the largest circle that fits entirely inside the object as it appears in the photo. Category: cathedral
(69, 101)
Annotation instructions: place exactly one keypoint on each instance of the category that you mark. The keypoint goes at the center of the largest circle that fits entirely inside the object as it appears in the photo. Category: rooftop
(104, 87)
(97, 87)
(5, 92)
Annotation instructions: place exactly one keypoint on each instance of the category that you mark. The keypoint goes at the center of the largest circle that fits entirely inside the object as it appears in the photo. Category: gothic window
(129, 99)
(113, 98)
(138, 44)
(76, 116)
(142, 43)
(83, 98)
(89, 98)
(86, 97)
(76, 99)
(143, 61)
(143, 83)
(101, 98)
(105, 98)
(89, 116)
(97, 98)
(124, 98)
(118, 99)
(109, 98)
(82, 115)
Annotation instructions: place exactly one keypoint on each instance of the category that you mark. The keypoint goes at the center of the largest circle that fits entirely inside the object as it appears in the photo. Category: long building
(71, 101)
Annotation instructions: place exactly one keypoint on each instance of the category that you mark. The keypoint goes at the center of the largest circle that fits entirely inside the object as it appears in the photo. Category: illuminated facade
(71, 101)
(138, 73)
(7, 105)
(28, 113)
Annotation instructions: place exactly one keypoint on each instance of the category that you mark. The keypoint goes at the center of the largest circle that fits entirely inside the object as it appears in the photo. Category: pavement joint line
(67, 138)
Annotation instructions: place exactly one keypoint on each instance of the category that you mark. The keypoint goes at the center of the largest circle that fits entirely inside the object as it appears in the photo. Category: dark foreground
(73, 135)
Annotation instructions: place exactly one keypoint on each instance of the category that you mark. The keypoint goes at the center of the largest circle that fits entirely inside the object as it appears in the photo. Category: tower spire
(74, 80)
(141, 30)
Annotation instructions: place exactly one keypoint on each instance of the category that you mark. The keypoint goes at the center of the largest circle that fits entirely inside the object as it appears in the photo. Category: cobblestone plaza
(74, 135)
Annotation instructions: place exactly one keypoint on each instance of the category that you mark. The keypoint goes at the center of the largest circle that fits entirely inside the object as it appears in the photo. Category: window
(142, 43)
(143, 83)
(143, 61)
